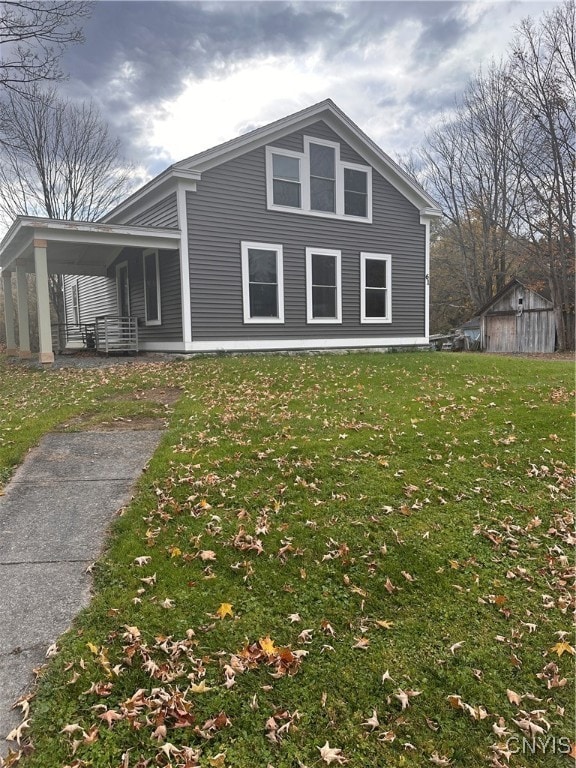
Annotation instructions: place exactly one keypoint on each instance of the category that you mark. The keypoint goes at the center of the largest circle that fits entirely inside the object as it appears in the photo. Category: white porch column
(9, 313)
(23, 322)
(46, 354)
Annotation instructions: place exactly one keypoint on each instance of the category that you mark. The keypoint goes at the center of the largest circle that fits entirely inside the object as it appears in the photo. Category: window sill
(320, 214)
(381, 320)
(324, 321)
(264, 320)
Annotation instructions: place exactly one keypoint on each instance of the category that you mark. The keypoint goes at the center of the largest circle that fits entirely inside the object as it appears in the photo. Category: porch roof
(77, 247)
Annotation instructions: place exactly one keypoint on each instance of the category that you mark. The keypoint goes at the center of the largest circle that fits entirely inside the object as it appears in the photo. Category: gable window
(322, 178)
(262, 283)
(323, 286)
(355, 192)
(375, 288)
(151, 288)
(316, 182)
(286, 180)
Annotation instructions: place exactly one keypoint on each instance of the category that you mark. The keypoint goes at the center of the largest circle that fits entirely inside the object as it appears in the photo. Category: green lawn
(367, 553)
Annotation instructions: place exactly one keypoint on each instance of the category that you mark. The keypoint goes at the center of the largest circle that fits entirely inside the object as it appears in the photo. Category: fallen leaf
(267, 645)
(225, 609)
(384, 623)
(372, 722)
(562, 647)
(331, 755)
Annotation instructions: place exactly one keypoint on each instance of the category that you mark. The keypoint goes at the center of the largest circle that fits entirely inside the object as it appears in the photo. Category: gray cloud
(157, 46)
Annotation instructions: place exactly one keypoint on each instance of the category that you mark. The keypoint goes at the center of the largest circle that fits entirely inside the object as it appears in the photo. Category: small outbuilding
(517, 319)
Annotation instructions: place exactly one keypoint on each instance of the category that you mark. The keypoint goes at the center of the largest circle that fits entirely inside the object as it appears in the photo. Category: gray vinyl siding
(170, 328)
(230, 206)
(162, 214)
(96, 296)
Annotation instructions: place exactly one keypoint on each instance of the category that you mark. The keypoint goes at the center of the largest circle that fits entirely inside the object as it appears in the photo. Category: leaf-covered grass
(361, 558)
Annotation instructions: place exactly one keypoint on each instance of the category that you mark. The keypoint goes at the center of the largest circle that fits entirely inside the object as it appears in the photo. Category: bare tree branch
(33, 36)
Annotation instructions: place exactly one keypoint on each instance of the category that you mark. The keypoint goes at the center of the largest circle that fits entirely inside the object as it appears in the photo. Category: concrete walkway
(53, 519)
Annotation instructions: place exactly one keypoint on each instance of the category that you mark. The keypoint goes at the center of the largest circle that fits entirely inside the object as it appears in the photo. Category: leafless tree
(502, 165)
(471, 173)
(33, 35)
(542, 74)
(57, 159)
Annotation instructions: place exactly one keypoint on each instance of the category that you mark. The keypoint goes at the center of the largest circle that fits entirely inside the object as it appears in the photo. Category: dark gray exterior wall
(230, 206)
(170, 294)
(162, 214)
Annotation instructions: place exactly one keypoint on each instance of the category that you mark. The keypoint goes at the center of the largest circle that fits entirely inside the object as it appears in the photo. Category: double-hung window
(323, 286)
(322, 177)
(262, 283)
(375, 288)
(151, 287)
(316, 182)
(355, 191)
(286, 182)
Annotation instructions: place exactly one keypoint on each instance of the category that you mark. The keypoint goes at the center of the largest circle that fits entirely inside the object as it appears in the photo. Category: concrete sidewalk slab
(53, 519)
(49, 528)
(88, 456)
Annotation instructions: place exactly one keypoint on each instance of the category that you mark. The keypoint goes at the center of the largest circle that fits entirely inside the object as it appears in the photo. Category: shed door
(501, 333)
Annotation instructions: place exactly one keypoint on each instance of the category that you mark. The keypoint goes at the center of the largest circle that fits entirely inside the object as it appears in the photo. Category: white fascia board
(19, 249)
(136, 238)
(241, 144)
(162, 185)
(49, 226)
(262, 345)
(343, 126)
(383, 163)
(212, 159)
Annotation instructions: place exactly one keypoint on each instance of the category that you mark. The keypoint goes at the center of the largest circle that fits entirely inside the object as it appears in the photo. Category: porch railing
(114, 333)
(73, 336)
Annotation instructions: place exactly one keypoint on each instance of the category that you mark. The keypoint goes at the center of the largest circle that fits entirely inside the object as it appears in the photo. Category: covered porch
(43, 247)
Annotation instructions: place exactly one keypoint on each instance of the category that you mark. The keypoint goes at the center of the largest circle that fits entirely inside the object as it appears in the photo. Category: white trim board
(279, 345)
(254, 345)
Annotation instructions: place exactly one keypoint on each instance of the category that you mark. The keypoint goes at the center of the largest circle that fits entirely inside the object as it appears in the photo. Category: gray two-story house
(302, 234)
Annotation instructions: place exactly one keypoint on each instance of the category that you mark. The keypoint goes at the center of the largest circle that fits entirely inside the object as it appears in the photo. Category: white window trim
(120, 266)
(270, 177)
(145, 254)
(364, 256)
(340, 189)
(309, 307)
(245, 247)
(304, 158)
(306, 193)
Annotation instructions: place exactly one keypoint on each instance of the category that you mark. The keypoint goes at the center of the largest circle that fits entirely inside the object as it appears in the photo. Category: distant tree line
(502, 166)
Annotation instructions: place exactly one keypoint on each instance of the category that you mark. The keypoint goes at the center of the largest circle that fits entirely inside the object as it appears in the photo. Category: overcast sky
(174, 78)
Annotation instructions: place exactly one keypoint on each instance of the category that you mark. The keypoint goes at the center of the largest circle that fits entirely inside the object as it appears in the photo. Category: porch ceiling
(77, 247)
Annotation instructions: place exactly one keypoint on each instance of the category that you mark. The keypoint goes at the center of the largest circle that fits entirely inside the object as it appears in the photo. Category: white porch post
(46, 354)
(23, 322)
(9, 313)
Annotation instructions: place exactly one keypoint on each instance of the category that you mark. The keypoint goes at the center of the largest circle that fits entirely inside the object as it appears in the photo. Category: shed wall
(520, 321)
